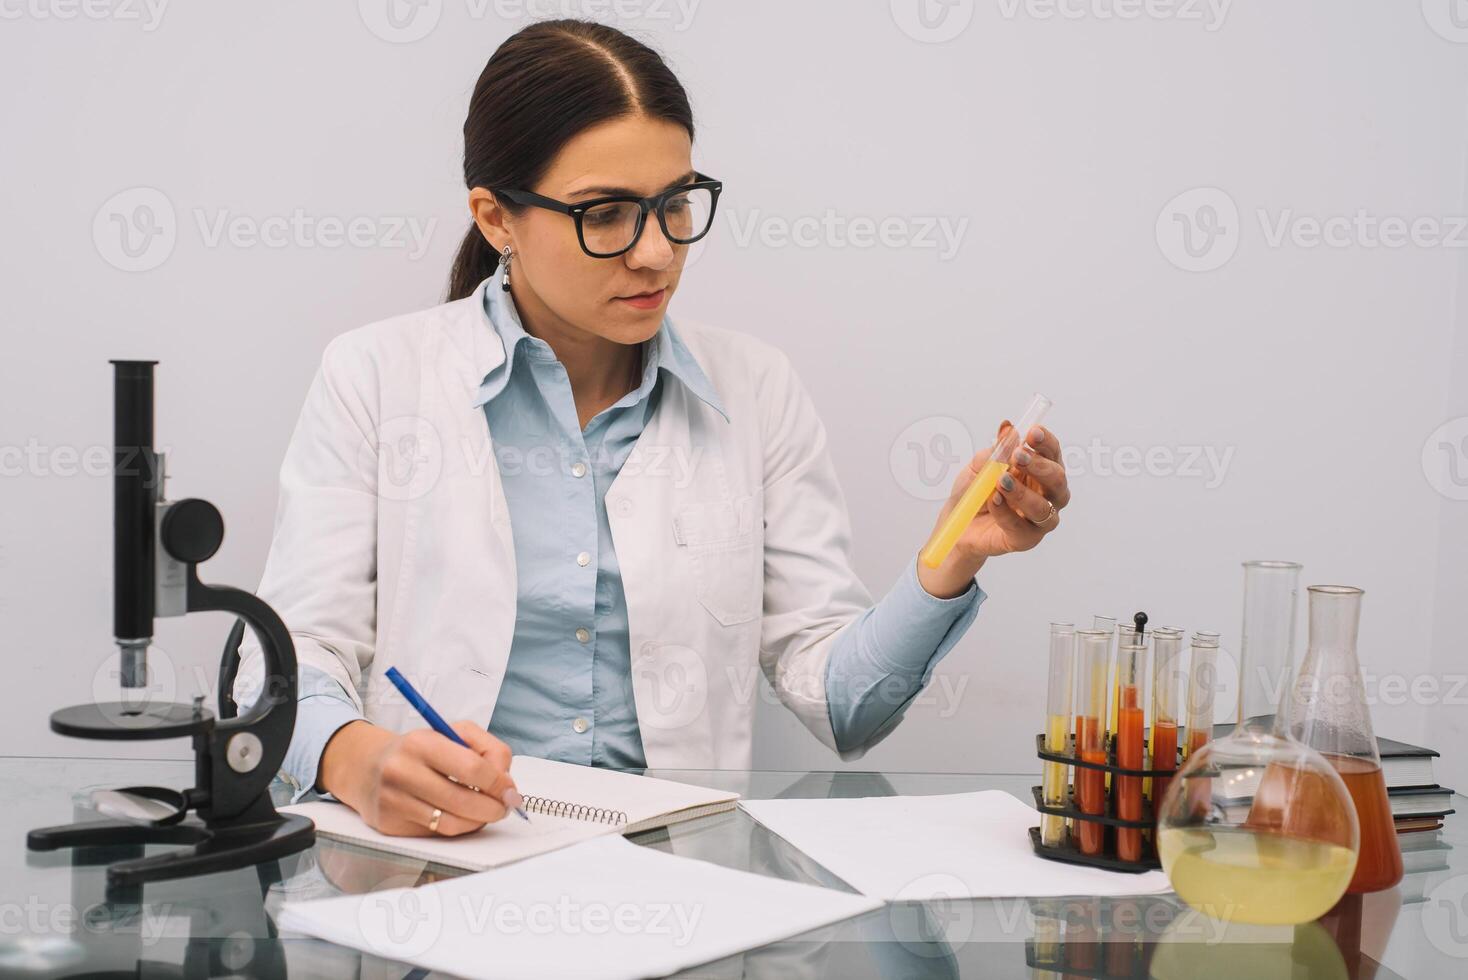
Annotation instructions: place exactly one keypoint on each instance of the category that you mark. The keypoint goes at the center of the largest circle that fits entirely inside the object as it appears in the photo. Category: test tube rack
(1069, 852)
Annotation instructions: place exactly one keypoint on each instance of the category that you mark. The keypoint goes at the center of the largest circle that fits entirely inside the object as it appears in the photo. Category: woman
(579, 529)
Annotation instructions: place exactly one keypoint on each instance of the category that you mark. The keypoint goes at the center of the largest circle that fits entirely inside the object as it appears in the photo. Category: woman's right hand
(395, 782)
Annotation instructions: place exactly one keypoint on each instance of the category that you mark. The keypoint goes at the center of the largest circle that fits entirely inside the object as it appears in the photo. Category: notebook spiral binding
(573, 811)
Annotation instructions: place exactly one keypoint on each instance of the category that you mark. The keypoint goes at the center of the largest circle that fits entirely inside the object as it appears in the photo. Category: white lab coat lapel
(464, 604)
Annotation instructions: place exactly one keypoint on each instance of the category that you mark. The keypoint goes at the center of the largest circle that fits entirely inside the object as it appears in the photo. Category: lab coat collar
(500, 331)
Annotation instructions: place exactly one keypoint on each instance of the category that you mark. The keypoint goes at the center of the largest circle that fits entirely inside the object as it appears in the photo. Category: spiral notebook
(567, 803)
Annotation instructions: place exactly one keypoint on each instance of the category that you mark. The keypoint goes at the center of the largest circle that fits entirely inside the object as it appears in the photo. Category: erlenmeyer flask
(1328, 712)
(1258, 827)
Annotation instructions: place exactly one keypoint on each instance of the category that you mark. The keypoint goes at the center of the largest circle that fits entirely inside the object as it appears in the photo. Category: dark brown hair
(541, 87)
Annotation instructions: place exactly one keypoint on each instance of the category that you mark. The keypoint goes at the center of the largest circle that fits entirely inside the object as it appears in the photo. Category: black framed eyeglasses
(608, 226)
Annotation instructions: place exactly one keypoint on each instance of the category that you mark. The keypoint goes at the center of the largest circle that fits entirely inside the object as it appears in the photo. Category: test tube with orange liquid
(1138, 625)
(1131, 664)
(1202, 687)
(1090, 784)
(1107, 625)
(946, 535)
(1167, 660)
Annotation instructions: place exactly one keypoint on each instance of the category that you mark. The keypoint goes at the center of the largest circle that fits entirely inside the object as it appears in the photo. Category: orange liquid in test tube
(1129, 745)
(1164, 756)
(1091, 787)
(1093, 648)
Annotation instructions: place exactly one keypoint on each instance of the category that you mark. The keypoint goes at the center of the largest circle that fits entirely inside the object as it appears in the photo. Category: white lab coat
(392, 542)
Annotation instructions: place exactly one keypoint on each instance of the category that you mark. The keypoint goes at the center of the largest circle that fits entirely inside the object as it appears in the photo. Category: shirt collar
(666, 352)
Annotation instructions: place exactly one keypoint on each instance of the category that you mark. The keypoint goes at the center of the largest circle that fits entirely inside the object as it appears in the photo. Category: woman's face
(559, 286)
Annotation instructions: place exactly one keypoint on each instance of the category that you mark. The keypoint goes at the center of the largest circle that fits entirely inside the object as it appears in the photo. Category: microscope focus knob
(192, 530)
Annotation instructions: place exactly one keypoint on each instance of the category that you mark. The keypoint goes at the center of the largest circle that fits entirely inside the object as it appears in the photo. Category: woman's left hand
(1025, 507)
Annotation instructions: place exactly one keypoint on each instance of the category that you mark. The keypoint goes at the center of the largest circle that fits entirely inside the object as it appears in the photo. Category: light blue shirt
(567, 690)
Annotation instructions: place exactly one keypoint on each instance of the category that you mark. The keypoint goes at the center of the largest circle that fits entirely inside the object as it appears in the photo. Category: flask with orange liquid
(1328, 712)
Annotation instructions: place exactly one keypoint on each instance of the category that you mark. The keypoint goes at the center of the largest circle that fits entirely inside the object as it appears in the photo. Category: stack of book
(1418, 802)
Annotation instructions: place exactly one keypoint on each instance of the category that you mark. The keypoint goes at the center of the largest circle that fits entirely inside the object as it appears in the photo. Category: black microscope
(157, 544)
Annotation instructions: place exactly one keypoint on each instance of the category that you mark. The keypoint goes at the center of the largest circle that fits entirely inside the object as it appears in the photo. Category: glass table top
(57, 918)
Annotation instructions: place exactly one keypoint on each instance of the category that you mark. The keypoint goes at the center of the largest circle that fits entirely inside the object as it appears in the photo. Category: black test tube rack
(1069, 851)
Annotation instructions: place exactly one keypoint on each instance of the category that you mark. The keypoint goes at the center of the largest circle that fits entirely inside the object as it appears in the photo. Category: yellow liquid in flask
(1240, 875)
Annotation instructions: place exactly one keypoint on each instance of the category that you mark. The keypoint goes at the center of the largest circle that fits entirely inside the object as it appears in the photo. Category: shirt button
(578, 469)
(579, 725)
(583, 559)
(583, 634)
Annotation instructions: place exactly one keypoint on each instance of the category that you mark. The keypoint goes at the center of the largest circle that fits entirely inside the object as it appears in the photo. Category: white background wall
(1052, 146)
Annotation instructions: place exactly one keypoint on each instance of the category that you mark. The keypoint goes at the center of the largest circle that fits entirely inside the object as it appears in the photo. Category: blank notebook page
(646, 801)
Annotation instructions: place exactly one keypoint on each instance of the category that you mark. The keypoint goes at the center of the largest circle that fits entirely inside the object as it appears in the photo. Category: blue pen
(435, 721)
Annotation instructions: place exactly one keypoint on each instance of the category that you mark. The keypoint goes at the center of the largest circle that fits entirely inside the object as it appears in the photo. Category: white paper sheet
(601, 908)
(918, 848)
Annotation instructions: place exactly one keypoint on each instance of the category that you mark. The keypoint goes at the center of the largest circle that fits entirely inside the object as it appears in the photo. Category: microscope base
(218, 848)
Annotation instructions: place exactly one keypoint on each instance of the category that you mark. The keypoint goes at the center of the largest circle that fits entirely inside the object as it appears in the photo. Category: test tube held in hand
(940, 545)
(1057, 730)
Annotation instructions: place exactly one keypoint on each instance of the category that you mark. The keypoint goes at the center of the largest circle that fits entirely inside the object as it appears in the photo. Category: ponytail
(474, 263)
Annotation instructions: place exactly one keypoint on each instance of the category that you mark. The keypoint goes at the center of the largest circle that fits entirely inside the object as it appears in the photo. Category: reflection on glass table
(56, 918)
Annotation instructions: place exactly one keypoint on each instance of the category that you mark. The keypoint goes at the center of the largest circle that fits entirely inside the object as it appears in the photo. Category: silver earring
(505, 285)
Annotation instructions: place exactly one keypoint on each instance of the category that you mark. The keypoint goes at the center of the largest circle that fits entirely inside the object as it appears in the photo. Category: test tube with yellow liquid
(982, 488)
(1053, 782)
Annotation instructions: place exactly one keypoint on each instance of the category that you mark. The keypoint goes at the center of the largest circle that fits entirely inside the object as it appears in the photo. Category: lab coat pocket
(726, 555)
